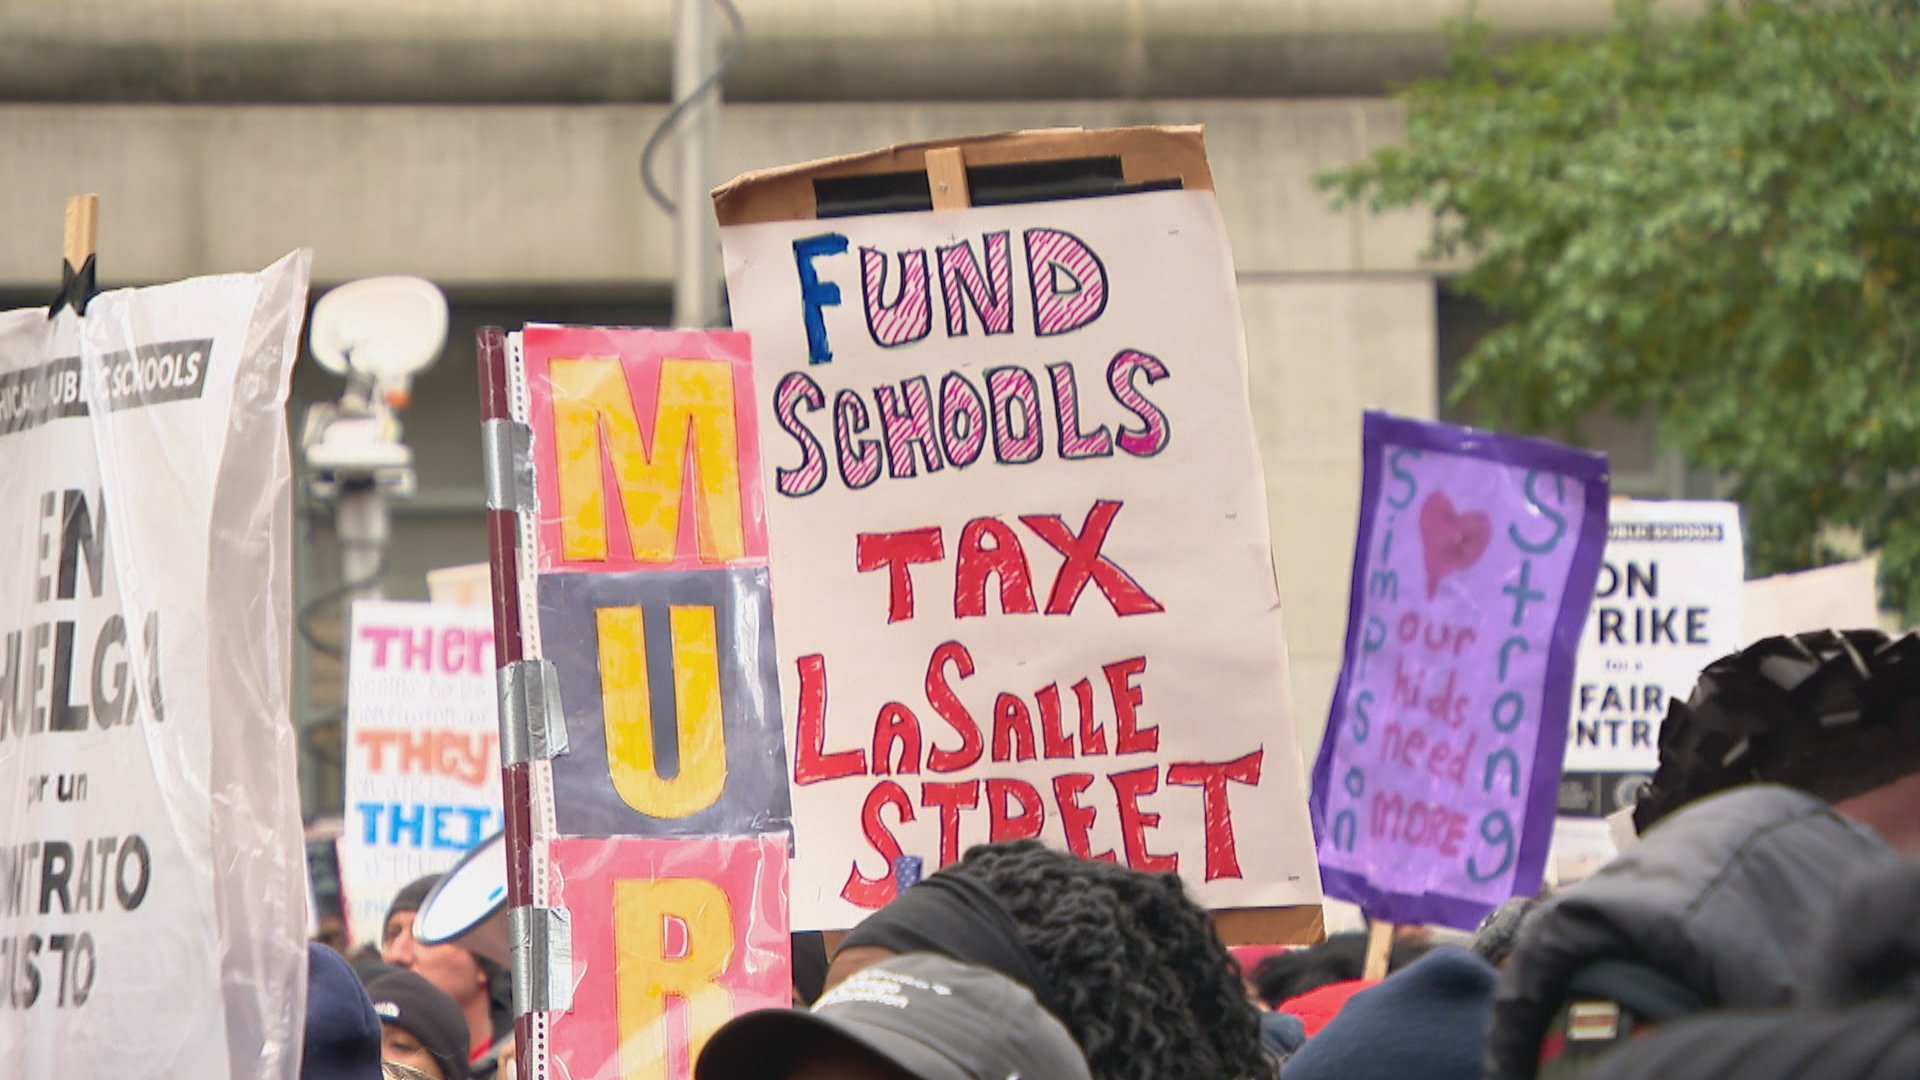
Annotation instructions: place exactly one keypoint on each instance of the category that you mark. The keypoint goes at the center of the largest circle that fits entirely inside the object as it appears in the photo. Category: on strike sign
(1433, 794)
(1017, 506)
(423, 750)
(1667, 603)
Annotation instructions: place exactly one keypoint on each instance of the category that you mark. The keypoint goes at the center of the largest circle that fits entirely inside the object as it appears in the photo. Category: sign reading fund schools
(1016, 503)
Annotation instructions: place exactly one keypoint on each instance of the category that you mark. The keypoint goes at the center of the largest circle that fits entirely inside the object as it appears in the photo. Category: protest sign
(1843, 596)
(1017, 508)
(696, 928)
(423, 750)
(465, 585)
(1666, 604)
(1433, 794)
(647, 814)
(154, 895)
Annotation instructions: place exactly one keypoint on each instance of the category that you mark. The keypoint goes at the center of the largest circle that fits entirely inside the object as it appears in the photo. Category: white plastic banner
(422, 749)
(152, 874)
(1667, 604)
(1020, 529)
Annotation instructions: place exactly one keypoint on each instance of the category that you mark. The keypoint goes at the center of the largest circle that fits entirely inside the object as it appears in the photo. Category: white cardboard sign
(423, 750)
(1668, 603)
(1019, 524)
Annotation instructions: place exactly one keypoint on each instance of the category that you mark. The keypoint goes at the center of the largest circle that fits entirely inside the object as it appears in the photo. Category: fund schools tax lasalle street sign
(1016, 504)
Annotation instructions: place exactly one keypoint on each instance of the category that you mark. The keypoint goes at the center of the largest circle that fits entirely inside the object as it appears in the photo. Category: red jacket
(1316, 1007)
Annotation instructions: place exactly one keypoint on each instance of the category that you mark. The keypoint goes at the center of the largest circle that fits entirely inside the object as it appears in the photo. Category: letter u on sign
(626, 691)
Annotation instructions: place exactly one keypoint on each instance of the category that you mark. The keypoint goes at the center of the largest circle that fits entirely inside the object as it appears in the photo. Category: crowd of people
(420, 1011)
(1765, 926)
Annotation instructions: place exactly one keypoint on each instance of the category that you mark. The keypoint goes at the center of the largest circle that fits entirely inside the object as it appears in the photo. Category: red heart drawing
(1453, 540)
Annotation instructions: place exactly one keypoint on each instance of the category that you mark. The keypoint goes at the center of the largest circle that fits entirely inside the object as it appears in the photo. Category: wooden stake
(1379, 949)
(83, 229)
(947, 177)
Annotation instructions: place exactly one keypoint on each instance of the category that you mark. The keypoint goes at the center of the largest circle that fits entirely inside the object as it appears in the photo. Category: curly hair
(1147, 989)
(1833, 714)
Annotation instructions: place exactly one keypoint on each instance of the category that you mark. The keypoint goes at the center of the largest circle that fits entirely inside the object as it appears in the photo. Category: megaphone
(468, 907)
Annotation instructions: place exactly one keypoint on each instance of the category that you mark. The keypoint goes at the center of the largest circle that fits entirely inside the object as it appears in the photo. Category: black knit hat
(342, 1031)
(421, 1009)
(409, 899)
(1831, 713)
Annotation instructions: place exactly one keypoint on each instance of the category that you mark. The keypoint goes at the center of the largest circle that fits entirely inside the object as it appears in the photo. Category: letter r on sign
(648, 972)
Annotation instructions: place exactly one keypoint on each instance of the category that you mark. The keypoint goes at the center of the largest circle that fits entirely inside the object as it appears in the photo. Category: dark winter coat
(1864, 1023)
(1721, 900)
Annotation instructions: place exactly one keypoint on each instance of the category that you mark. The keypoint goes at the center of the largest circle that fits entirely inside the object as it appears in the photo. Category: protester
(1836, 715)
(1316, 1008)
(1427, 1021)
(368, 965)
(1499, 932)
(1712, 909)
(342, 1040)
(1863, 1017)
(917, 1017)
(1283, 1034)
(1126, 960)
(481, 988)
(809, 966)
(421, 1026)
(1339, 959)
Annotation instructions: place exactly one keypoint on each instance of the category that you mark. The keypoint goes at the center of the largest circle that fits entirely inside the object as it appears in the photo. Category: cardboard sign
(1017, 507)
(423, 750)
(1433, 794)
(671, 939)
(655, 596)
(1667, 603)
(635, 577)
(147, 787)
(1838, 597)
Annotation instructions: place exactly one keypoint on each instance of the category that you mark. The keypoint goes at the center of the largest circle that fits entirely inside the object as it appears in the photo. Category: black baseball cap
(932, 1017)
(423, 1010)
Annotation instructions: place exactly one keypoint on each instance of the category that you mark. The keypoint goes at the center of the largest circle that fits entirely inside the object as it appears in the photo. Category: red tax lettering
(1085, 563)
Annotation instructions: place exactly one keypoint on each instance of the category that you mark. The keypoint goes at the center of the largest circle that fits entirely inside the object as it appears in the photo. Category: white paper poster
(152, 873)
(423, 750)
(1018, 521)
(1844, 596)
(1667, 604)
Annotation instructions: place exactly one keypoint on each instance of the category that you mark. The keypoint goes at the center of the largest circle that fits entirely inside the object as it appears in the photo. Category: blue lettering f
(817, 295)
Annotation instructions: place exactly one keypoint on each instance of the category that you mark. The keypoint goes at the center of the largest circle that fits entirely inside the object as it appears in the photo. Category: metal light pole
(696, 284)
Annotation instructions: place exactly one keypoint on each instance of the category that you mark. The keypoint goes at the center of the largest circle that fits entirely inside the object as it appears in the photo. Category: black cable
(302, 620)
(736, 46)
(309, 738)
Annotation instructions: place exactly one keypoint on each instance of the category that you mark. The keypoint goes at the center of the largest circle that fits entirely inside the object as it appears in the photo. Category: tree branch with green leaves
(1715, 219)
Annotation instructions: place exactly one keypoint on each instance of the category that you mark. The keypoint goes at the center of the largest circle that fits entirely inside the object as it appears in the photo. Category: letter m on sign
(652, 451)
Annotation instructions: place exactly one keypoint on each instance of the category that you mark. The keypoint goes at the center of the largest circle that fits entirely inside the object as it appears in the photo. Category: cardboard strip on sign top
(1147, 156)
(1236, 926)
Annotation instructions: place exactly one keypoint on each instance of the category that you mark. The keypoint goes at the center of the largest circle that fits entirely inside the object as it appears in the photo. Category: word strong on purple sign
(1433, 795)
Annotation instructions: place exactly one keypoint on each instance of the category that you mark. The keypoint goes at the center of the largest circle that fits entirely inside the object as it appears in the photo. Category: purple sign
(1433, 796)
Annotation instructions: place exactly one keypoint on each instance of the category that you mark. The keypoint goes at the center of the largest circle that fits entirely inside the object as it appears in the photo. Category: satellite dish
(468, 907)
(387, 328)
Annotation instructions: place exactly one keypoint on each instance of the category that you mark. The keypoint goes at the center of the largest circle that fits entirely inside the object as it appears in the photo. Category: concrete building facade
(494, 147)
